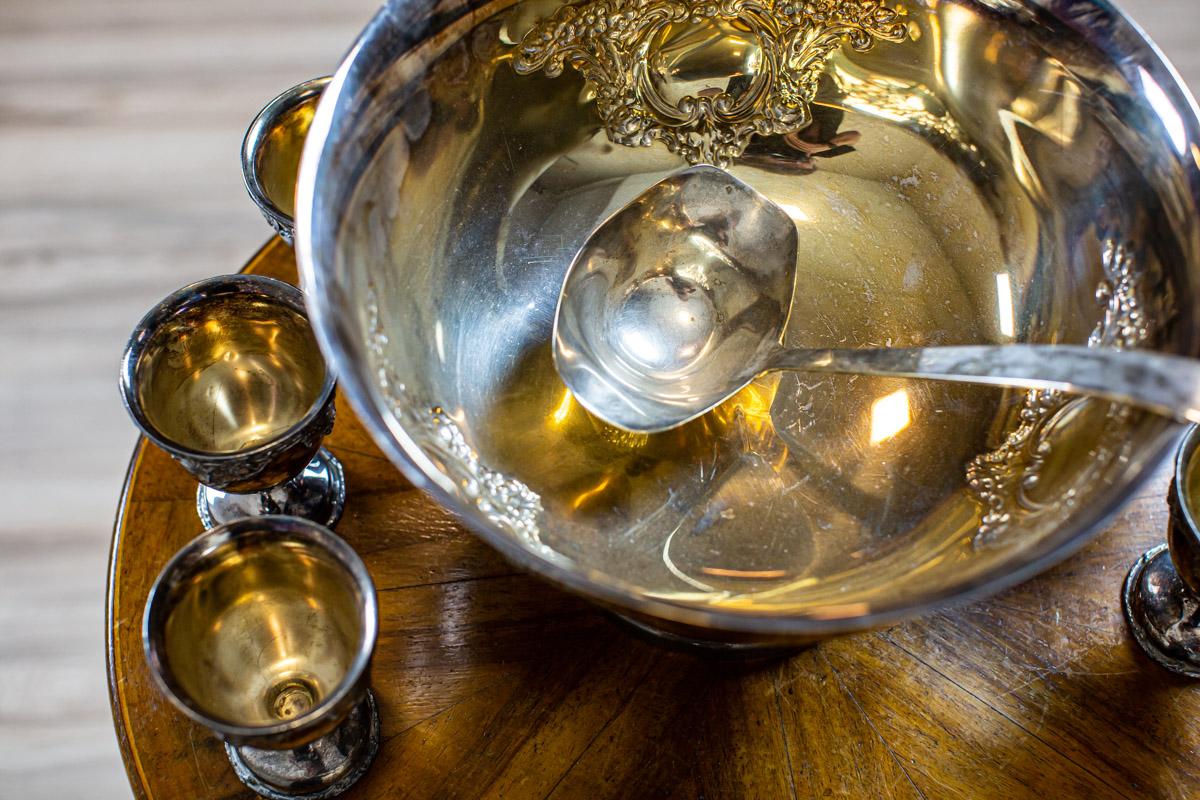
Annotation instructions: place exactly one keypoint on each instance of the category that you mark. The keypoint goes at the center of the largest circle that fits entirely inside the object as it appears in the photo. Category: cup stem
(317, 493)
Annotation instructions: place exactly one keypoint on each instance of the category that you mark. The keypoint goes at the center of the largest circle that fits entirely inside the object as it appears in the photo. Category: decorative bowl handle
(702, 76)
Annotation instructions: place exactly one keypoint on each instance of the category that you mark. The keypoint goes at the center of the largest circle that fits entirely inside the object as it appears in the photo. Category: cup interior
(228, 373)
(259, 630)
(273, 145)
(278, 156)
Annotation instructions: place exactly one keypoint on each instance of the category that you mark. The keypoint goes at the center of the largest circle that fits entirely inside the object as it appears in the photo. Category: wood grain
(120, 122)
(493, 684)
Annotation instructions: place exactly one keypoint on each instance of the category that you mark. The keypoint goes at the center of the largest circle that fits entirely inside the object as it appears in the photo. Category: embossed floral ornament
(703, 77)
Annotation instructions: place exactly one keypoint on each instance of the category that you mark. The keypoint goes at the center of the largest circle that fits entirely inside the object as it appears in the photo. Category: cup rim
(307, 92)
(191, 296)
(271, 528)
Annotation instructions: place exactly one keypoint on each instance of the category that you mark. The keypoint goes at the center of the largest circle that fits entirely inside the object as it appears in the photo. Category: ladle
(681, 298)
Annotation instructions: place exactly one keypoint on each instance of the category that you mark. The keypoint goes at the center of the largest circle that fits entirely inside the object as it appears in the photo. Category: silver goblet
(262, 631)
(271, 153)
(226, 376)
(1162, 592)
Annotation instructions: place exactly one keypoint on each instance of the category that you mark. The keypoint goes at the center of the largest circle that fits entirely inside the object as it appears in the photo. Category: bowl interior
(1005, 175)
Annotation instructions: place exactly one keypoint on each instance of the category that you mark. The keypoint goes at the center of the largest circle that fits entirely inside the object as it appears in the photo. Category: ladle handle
(1166, 384)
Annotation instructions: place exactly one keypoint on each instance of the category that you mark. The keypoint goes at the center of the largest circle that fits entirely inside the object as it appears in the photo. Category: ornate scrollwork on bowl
(503, 500)
(1003, 480)
(703, 77)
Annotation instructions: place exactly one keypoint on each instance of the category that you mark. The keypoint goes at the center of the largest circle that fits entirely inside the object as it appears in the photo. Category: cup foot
(1162, 614)
(318, 494)
(319, 770)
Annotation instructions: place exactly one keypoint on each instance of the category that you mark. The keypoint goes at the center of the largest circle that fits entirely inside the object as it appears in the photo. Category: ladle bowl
(680, 299)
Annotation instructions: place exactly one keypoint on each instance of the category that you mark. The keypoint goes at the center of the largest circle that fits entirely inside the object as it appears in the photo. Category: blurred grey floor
(120, 122)
(120, 128)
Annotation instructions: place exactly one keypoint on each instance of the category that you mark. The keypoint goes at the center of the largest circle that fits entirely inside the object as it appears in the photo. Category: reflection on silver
(913, 105)
(673, 300)
(1004, 304)
(703, 77)
(1172, 122)
(680, 299)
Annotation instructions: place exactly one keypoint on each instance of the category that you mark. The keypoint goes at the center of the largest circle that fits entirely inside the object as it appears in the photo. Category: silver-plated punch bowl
(989, 171)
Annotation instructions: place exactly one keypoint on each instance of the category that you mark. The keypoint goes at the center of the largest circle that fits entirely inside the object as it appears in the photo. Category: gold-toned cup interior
(230, 373)
(260, 634)
(278, 158)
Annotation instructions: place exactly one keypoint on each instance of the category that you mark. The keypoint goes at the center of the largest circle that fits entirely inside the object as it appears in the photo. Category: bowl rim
(1098, 22)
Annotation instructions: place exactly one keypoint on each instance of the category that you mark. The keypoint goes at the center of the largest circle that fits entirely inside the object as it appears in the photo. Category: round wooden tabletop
(491, 683)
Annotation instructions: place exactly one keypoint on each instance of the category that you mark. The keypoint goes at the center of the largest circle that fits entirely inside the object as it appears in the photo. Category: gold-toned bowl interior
(229, 373)
(261, 634)
(970, 185)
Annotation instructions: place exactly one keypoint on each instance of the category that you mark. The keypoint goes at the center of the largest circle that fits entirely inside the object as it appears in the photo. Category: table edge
(129, 759)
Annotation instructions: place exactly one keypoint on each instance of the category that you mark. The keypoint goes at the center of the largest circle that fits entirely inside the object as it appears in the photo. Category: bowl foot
(319, 770)
(682, 640)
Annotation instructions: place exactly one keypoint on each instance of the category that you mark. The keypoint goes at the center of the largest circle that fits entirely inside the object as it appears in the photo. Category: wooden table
(494, 684)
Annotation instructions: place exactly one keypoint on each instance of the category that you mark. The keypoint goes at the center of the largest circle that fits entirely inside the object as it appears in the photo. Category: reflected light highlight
(564, 408)
(794, 212)
(1004, 304)
(1165, 110)
(889, 415)
(584, 496)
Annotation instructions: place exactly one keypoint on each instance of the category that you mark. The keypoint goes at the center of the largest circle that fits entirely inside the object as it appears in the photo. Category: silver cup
(271, 153)
(1161, 596)
(225, 376)
(262, 631)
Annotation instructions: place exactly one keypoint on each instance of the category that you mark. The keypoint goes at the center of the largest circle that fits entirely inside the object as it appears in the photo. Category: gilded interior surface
(260, 634)
(991, 179)
(230, 373)
(279, 155)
